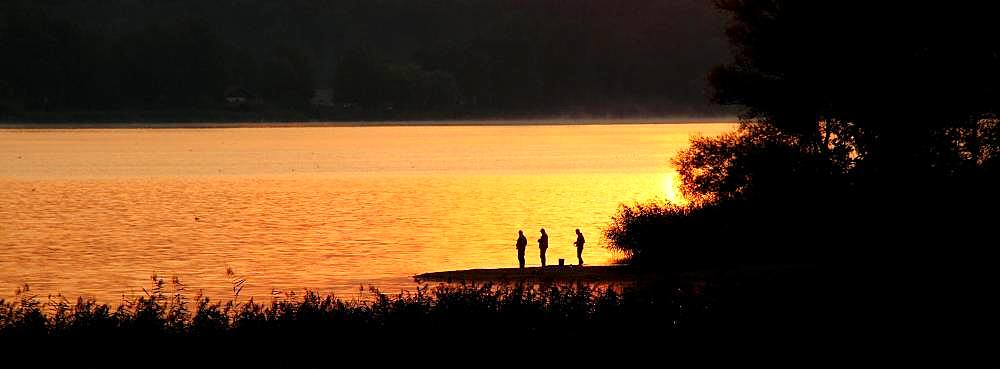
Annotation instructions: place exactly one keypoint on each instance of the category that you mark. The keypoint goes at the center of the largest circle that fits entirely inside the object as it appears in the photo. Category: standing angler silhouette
(522, 243)
(543, 244)
(579, 245)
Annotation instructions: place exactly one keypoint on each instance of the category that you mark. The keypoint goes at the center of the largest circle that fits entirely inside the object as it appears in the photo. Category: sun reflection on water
(95, 212)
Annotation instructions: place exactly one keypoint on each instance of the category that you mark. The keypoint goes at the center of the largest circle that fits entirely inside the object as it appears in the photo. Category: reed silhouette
(443, 311)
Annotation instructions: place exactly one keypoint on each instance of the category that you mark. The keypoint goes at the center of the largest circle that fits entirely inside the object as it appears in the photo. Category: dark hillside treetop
(388, 57)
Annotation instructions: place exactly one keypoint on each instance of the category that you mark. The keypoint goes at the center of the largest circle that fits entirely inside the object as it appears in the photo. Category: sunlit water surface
(96, 212)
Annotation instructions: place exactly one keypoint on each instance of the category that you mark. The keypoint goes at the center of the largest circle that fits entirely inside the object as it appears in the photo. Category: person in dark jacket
(579, 245)
(543, 244)
(522, 243)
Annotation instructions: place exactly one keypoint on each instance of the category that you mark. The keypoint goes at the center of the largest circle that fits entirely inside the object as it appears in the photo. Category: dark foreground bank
(669, 305)
(776, 313)
(558, 301)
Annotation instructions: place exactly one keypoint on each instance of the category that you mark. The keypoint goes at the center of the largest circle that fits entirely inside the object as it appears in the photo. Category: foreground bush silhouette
(485, 310)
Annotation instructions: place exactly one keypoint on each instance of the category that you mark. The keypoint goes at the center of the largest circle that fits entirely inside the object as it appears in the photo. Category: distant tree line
(491, 55)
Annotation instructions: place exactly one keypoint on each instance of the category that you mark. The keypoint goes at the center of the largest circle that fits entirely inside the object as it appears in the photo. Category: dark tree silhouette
(867, 150)
(891, 83)
(885, 128)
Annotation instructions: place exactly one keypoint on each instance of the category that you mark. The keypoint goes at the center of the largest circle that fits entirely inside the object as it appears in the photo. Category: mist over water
(96, 212)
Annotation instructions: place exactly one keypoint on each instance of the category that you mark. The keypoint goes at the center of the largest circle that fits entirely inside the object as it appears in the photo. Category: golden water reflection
(95, 212)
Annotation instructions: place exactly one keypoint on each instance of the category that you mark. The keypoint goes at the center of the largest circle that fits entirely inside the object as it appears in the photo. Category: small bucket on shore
(562, 262)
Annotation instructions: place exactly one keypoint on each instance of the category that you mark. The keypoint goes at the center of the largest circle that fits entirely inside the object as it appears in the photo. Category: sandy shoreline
(614, 274)
(602, 273)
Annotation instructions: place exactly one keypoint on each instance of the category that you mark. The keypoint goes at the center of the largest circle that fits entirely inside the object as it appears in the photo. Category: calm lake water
(96, 212)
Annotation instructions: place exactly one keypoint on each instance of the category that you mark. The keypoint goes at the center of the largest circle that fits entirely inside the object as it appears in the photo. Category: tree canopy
(867, 135)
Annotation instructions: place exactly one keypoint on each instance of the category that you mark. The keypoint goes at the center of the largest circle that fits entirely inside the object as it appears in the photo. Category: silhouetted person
(543, 244)
(579, 245)
(522, 243)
